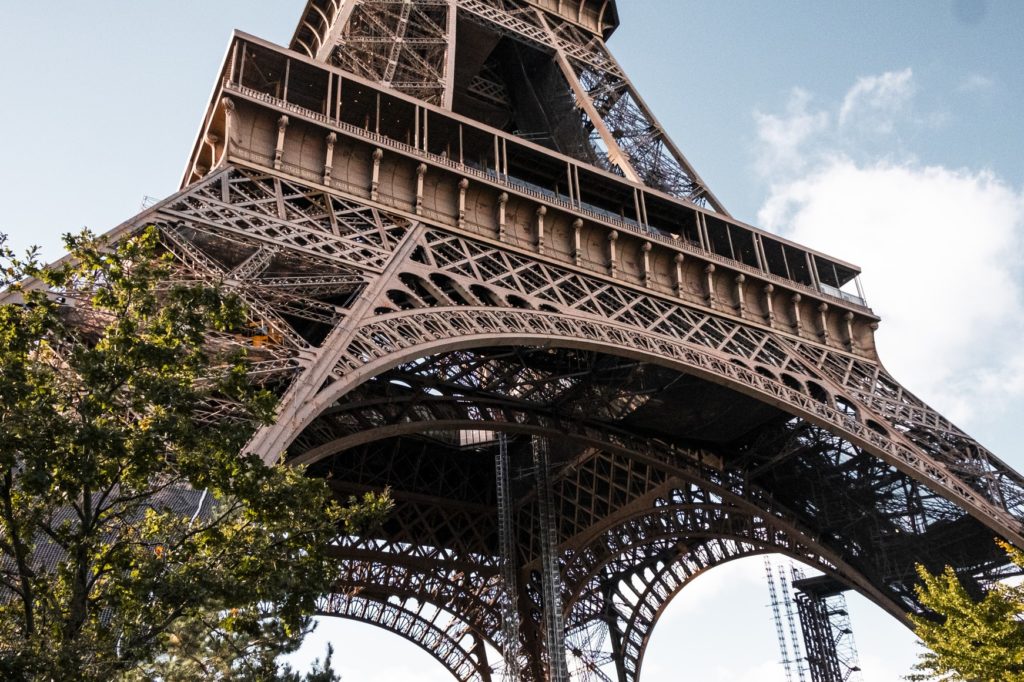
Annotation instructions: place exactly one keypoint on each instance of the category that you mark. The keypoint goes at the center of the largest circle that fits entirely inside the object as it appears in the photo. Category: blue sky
(886, 132)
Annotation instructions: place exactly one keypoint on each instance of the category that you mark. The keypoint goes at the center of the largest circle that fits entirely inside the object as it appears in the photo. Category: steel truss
(405, 342)
(421, 335)
(409, 45)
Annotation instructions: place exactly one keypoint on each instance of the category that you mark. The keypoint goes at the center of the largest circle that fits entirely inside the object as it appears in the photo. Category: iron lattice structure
(825, 621)
(453, 219)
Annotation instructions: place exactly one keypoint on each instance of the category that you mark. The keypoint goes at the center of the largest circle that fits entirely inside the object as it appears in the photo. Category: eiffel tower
(481, 274)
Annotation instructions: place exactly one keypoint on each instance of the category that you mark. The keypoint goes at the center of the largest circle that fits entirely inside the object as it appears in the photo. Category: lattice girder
(319, 271)
(388, 340)
(406, 304)
(416, 622)
(412, 46)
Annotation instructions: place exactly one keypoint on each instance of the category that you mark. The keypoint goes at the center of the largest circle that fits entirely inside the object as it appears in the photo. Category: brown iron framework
(453, 219)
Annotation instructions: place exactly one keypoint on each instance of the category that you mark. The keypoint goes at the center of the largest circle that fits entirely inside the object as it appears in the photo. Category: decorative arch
(446, 642)
(387, 341)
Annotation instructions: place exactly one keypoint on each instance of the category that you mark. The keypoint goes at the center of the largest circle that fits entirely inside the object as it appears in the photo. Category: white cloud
(940, 247)
(785, 137)
(874, 102)
(976, 82)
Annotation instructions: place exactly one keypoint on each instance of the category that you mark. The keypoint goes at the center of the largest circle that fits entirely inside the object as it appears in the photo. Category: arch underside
(659, 476)
(682, 434)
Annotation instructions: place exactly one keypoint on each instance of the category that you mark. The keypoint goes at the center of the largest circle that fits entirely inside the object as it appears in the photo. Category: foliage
(981, 641)
(106, 568)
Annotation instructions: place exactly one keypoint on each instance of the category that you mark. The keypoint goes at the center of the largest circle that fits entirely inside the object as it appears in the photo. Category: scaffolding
(828, 636)
(789, 649)
(509, 590)
(551, 589)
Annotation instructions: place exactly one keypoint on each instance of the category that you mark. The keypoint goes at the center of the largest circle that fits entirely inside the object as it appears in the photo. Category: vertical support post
(762, 262)
(463, 186)
(613, 260)
(769, 304)
(330, 96)
(812, 268)
(229, 124)
(421, 171)
(282, 125)
(502, 203)
(551, 588)
(678, 287)
(378, 154)
(798, 326)
(234, 64)
(541, 212)
(709, 274)
(508, 599)
(332, 138)
(577, 250)
(823, 321)
(646, 262)
(449, 55)
(287, 76)
(337, 101)
(741, 302)
(416, 132)
(851, 343)
(241, 65)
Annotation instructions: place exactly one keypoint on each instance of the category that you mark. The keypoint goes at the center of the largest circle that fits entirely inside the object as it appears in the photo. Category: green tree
(134, 536)
(979, 641)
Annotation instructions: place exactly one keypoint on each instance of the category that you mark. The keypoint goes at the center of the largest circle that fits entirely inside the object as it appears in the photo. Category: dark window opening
(718, 235)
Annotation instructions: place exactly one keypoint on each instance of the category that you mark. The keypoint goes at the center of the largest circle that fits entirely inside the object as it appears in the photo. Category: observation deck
(276, 109)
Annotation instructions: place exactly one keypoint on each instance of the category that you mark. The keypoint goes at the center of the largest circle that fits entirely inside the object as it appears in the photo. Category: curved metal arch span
(464, 664)
(635, 614)
(741, 510)
(734, 524)
(363, 577)
(660, 589)
(742, 506)
(387, 341)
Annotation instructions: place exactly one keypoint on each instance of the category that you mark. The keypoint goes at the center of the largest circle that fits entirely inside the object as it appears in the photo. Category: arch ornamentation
(418, 623)
(384, 342)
